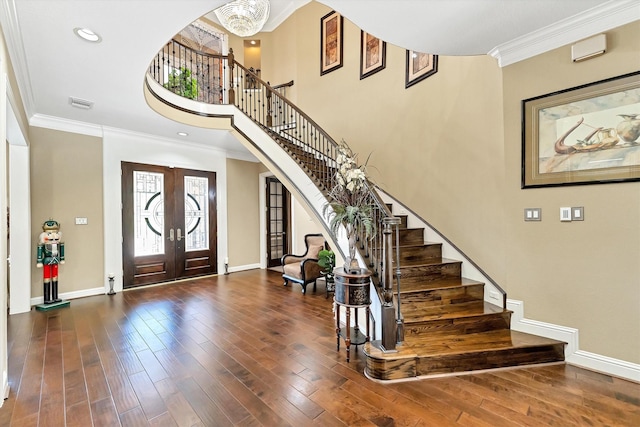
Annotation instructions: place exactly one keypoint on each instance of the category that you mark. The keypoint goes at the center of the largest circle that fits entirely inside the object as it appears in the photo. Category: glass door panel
(196, 213)
(148, 213)
(277, 221)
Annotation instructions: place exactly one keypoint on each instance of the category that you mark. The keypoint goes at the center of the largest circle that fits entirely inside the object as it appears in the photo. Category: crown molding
(609, 15)
(65, 125)
(82, 128)
(15, 46)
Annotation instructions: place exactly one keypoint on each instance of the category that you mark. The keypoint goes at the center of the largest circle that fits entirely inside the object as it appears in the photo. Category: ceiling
(52, 64)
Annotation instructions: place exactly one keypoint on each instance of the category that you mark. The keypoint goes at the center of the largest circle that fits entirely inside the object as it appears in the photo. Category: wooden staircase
(449, 328)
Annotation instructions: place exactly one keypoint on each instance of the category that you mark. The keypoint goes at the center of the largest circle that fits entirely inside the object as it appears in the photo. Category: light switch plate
(577, 214)
(533, 214)
(565, 214)
(81, 221)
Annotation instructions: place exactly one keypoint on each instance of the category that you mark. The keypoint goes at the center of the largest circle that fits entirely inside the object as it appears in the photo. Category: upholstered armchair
(304, 269)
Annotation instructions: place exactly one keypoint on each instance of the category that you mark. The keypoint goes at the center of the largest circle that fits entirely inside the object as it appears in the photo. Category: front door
(278, 200)
(168, 222)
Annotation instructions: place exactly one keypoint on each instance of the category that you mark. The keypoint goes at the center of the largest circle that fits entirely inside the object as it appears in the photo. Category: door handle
(171, 234)
(179, 234)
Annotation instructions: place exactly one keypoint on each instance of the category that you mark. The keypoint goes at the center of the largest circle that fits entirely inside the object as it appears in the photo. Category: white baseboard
(244, 267)
(72, 295)
(100, 291)
(573, 354)
(6, 389)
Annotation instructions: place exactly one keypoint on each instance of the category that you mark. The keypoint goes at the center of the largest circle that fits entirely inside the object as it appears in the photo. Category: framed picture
(373, 54)
(419, 67)
(330, 42)
(588, 134)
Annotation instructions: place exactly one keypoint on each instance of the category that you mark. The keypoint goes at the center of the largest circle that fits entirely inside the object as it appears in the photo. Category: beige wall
(586, 274)
(243, 201)
(279, 55)
(449, 148)
(66, 182)
(252, 55)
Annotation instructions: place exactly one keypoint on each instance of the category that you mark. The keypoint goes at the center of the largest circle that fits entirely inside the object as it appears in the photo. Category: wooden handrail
(281, 85)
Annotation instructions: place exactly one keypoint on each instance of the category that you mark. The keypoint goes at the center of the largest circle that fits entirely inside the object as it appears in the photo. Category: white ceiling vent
(80, 103)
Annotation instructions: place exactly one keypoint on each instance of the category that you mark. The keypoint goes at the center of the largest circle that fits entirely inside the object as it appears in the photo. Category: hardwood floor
(243, 350)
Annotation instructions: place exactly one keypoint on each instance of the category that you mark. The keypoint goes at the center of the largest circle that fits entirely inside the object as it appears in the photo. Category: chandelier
(243, 18)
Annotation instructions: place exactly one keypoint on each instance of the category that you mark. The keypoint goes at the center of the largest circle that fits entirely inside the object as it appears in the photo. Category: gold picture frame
(373, 54)
(587, 134)
(419, 67)
(330, 42)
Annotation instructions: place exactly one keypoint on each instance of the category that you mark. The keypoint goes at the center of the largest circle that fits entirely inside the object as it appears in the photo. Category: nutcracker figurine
(50, 254)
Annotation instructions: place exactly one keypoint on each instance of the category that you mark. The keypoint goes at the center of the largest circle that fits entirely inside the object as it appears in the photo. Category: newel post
(389, 325)
(269, 108)
(231, 63)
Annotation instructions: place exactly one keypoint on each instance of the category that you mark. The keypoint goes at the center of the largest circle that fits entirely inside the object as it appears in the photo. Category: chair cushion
(292, 270)
(313, 251)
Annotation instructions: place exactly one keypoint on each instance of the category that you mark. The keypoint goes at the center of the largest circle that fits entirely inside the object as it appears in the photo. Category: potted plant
(349, 203)
(181, 83)
(327, 260)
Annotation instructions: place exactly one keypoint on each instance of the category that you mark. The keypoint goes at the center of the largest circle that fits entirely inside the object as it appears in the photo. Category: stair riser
(403, 220)
(489, 360)
(417, 255)
(411, 236)
(403, 368)
(433, 297)
(429, 273)
(466, 325)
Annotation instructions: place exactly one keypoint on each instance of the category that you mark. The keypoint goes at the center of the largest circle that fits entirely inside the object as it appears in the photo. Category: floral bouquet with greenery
(349, 202)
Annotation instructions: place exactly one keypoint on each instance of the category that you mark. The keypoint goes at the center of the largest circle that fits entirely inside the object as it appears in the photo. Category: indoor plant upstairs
(349, 203)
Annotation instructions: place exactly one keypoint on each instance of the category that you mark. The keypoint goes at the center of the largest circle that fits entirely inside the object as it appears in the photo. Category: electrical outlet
(81, 221)
(565, 214)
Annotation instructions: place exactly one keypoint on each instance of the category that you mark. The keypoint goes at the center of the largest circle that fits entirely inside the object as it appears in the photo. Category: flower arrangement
(349, 203)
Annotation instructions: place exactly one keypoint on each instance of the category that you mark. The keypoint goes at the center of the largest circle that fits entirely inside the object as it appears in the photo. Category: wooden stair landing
(448, 326)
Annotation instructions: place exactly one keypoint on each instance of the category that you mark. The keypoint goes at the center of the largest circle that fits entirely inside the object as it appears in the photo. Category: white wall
(119, 146)
(4, 386)
(19, 230)
(302, 224)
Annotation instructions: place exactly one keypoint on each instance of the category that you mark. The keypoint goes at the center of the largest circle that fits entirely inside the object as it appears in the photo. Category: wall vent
(80, 103)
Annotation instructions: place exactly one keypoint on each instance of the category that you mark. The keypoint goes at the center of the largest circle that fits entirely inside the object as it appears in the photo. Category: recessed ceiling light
(183, 134)
(253, 42)
(87, 34)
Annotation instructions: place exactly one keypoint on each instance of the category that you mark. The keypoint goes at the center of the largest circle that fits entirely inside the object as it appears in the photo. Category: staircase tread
(432, 261)
(415, 244)
(453, 282)
(445, 345)
(450, 311)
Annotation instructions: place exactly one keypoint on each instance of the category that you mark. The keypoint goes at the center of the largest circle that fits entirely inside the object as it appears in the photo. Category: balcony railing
(222, 80)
